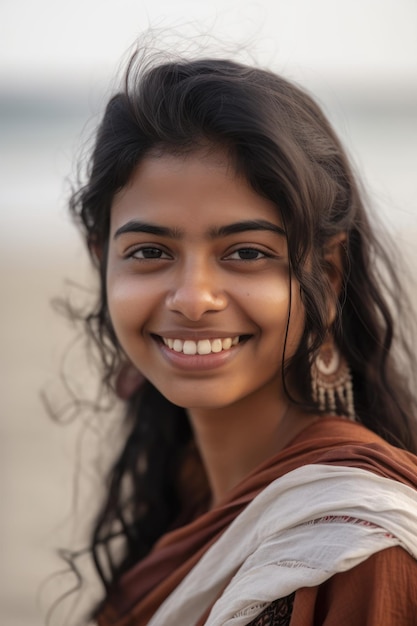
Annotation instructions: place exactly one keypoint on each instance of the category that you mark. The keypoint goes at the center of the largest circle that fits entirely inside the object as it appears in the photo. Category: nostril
(194, 302)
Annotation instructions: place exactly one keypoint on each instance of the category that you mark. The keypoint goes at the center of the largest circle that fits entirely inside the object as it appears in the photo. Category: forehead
(198, 188)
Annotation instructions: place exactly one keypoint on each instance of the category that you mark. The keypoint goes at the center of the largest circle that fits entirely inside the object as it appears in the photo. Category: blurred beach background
(57, 67)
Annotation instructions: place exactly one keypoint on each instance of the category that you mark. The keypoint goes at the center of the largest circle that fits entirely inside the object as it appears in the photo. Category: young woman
(268, 477)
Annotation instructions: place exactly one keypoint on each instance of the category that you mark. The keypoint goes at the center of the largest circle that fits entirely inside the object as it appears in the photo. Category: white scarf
(302, 529)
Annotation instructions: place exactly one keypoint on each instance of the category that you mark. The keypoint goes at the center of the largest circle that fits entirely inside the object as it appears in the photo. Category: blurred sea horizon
(47, 125)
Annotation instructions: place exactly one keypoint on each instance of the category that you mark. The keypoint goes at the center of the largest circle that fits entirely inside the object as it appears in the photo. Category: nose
(197, 291)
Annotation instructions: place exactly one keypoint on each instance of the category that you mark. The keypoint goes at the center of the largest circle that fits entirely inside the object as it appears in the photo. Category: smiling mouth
(202, 346)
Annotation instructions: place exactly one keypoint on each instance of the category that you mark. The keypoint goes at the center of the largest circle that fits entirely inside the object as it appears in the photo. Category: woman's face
(198, 281)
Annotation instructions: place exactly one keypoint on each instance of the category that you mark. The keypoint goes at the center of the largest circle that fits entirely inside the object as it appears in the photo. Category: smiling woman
(268, 477)
(210, 275)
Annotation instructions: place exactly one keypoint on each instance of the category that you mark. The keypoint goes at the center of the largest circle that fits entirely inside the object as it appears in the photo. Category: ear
(334, 255)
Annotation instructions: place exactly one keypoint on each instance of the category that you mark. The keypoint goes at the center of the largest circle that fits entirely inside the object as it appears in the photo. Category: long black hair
(279, 139)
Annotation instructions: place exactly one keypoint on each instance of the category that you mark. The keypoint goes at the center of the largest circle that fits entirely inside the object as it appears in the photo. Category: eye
(246, 254)
(148, 252)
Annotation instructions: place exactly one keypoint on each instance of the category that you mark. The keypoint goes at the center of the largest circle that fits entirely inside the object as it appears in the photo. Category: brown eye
(149, 252)
(246, 254)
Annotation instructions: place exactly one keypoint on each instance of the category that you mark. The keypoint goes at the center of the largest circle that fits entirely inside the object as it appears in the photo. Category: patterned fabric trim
(345, 519)
(277, 613)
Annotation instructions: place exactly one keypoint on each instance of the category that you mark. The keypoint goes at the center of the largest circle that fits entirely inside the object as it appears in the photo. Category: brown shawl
(332, 441)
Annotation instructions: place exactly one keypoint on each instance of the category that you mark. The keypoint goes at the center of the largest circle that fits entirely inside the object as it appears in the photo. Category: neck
(234, 440)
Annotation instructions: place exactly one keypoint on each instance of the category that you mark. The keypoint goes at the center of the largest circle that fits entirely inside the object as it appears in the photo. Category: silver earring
(331, 380)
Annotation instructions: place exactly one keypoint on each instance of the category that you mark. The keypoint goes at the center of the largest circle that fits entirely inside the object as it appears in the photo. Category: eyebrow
(135, 226)
(241, 227)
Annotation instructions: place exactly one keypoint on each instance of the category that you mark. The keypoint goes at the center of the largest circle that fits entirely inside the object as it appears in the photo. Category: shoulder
(341, 442)
(381, 590)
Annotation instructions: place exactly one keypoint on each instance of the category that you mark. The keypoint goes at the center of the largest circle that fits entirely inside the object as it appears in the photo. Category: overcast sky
(84, 39)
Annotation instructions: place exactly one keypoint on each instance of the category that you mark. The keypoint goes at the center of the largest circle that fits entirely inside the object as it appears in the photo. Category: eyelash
(251, 250)
(163, 255)
(133, 253)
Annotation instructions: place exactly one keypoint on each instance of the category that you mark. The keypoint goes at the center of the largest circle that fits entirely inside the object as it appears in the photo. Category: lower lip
(197, 362)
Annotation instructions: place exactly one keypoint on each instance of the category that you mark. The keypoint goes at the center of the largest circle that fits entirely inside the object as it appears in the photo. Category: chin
(197, 399)
(199, 403)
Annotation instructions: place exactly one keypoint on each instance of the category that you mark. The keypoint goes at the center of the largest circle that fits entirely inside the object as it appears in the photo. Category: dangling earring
(331, 380)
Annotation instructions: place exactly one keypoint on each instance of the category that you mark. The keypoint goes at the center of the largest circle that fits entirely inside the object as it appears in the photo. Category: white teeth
(189, 347)
(216, 345)
(177, 345)
(203, 346)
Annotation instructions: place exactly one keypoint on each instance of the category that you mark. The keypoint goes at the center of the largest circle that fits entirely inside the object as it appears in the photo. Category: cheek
(128, 302)
(267, 303)
(271, 309)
